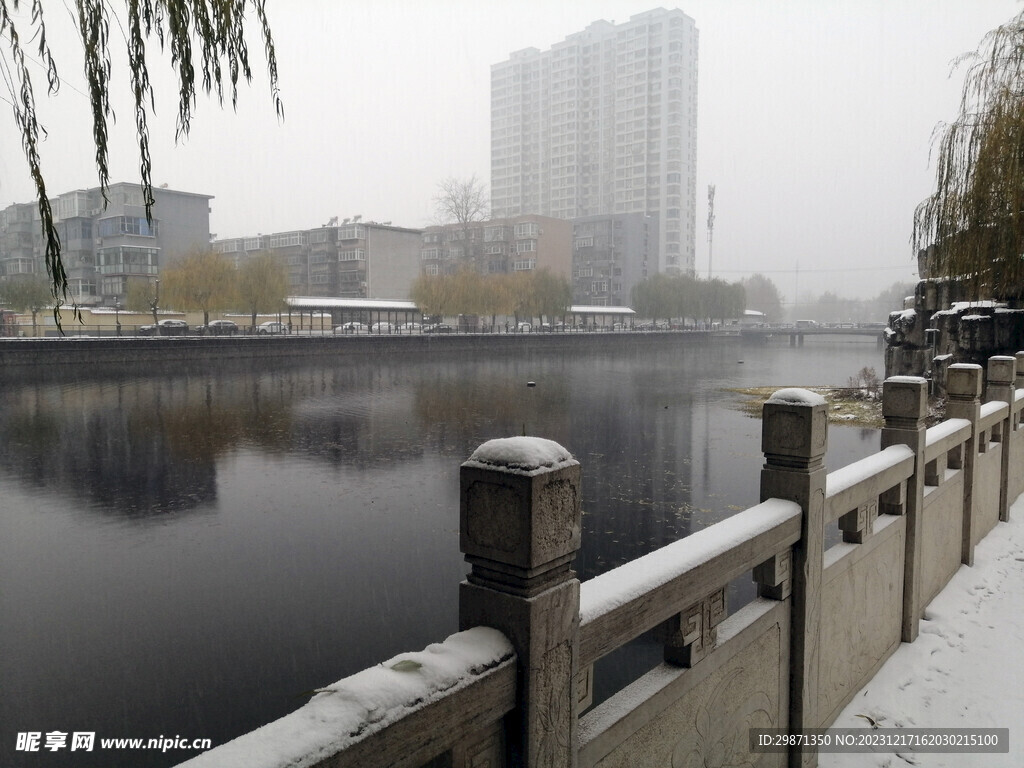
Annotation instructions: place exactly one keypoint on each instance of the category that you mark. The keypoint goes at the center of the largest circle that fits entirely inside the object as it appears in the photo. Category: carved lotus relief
(721, 726)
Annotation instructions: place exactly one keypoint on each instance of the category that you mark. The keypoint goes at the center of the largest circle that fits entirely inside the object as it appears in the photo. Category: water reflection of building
(116, 448)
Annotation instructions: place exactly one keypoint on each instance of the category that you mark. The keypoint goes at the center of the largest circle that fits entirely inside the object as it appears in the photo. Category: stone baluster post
(794, 438)
(905, 406)
(963, 401)
(1019, 383)
(520, 529)
(1001, 378)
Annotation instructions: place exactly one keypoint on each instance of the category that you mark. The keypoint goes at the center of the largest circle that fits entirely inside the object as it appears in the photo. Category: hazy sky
(815, 121)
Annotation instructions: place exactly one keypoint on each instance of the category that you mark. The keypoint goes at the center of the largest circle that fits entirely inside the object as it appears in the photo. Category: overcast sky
(815, 121)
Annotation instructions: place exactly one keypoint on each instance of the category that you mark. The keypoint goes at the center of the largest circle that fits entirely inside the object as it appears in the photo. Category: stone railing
(509, 688)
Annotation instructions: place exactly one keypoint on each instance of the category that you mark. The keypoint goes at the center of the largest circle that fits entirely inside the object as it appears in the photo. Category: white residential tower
(603, 123)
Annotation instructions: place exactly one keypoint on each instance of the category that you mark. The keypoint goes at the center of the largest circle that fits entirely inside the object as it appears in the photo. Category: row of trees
(206, 280)
(201, 281)
(529, 294)
(666, 296)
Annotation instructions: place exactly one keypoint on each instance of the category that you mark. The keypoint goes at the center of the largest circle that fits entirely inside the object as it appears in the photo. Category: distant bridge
(796, 335)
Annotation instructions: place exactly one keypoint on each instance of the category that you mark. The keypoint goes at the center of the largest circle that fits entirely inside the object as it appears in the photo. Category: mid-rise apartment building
(498, 246)
(603, 123)
(105, 244)
(610, 255)
(354, 259)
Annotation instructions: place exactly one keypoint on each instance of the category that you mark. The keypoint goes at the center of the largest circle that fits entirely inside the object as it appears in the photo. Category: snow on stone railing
(864, 481)
(623, 603)
(356, 708)
(946, 434)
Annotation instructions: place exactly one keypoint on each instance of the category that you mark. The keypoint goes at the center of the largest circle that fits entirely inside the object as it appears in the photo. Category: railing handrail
(623, 603)
(945, 436)
(860, 482)
(992, 413)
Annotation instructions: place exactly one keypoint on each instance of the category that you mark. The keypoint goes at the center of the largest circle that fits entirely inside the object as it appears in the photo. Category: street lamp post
(117, 315)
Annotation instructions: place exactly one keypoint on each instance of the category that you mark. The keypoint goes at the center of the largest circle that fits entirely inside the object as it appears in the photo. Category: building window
(127, 225)
(527, 229)
(355, 255)
(253, 243)
(431, 269)
(352, 232)
(124, 260)
(524, 265)
(287, 239)
(585, 242)
(526, 246)
(430, 253)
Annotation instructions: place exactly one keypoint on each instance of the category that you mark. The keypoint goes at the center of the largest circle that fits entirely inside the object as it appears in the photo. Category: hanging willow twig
(973, 225)
(211, 30)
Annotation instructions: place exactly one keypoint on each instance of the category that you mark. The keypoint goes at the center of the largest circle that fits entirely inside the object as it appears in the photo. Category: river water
(189, 554)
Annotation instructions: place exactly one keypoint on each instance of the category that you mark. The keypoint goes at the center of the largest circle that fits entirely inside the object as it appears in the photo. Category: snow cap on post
(795, 428)
(963, 381)
(904, 401)
(1002, 371)
(520, 513)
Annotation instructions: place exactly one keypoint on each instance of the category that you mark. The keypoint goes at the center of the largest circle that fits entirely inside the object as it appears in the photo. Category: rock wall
(940, 326)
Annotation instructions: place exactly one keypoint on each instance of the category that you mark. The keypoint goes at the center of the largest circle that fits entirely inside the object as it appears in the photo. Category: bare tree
(215, 27)
(462, 203)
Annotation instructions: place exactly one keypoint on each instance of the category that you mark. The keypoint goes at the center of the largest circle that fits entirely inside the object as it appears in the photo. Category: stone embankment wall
(940, 326)
(23, 354)
(510, 687)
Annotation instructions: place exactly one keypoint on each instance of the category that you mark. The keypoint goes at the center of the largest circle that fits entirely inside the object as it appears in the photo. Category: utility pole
(796, 290)
(711, 223)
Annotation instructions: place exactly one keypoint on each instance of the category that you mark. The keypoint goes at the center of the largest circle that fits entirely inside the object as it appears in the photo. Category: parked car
(271, 327)
(410, 327)
(351, 327)
(382, 328)
(438, 328)
(218, 328)
(524, 328)
(165, 328)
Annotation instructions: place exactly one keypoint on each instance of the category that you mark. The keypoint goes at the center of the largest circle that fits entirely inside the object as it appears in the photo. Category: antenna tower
(711, 223)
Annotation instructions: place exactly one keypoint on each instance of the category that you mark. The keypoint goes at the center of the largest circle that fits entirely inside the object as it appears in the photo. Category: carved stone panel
(861, 619)
(709, 724)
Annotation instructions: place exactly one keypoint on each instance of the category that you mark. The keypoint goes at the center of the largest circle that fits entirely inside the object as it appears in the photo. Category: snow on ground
(966, 668)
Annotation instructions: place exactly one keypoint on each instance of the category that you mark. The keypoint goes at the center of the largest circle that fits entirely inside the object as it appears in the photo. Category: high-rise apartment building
(603, 123)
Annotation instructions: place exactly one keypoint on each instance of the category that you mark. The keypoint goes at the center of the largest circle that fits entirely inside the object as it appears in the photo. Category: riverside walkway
(966, 668)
